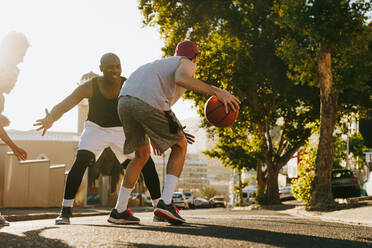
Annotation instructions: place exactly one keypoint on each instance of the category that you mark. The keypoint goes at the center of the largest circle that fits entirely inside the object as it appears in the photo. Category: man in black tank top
(102, 129)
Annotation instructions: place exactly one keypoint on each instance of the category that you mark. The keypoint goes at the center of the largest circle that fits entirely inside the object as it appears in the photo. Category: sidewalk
(21, 214)
(359, 216)
(356, 210)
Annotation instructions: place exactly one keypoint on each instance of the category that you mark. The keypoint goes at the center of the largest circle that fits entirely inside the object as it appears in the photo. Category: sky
(67, 40)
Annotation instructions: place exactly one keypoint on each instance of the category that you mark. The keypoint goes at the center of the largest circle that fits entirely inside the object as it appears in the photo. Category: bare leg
(131, 175)
(177, 158)
(135, 166)
(174, 169)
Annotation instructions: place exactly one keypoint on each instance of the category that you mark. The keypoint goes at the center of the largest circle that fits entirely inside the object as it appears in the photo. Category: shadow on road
(248, 234)
(30, 239)
(136, 245)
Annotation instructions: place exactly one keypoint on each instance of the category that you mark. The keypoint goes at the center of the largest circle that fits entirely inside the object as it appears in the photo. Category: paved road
(205, 228)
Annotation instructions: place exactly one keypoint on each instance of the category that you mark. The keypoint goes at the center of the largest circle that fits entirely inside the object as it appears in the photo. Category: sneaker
(168, 212)
(64, 216)
(3, 221)
(125, 217)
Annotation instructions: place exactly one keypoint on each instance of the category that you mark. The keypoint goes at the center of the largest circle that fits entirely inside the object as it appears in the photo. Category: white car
(285, 193)
(179, 200)
(190, 199)
(201, 203)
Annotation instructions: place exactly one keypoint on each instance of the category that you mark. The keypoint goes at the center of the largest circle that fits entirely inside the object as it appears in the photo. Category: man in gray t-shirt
(144, 108)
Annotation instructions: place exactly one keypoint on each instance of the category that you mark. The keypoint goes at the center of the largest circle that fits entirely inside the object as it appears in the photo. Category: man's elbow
(4, 122)
(181, 80)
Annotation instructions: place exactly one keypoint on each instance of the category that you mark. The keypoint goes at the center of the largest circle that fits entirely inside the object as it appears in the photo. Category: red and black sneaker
(168, 212)
(125, 217)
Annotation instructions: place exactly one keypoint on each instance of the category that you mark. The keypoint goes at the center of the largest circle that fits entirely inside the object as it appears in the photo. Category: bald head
(110, 67)
(109, 58)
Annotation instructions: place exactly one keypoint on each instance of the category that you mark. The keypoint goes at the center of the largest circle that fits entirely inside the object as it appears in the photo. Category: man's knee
(180, 145)
(84, 159)
(143, 153)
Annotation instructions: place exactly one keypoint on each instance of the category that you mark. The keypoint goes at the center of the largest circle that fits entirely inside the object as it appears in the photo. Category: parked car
(345, 184)
(190, 199)
(217, 201)
(179, 200)
(148, 200)
(201, 203)
(135, 199)
(285, 193)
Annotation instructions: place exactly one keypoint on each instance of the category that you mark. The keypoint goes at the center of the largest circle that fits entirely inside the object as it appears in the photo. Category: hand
(44, 123)
(156, 150)
(190, 138)
(19, 153)
(228, 100)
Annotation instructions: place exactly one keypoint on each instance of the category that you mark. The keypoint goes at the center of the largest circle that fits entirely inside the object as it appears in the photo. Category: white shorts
(96, 138)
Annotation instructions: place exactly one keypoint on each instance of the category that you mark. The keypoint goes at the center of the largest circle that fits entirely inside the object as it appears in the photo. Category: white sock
(67, 203)
(169, 187)
(155, 202)
(122, 202)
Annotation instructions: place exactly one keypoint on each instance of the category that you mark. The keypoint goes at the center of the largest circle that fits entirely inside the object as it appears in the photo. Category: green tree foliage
(301, 186)
(238, 42)
(327, 44)
(357, 147)
(208, 192)
(340, 151)
(237, 188)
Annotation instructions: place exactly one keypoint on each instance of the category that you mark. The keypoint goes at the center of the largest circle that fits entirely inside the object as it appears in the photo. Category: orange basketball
(214, 111)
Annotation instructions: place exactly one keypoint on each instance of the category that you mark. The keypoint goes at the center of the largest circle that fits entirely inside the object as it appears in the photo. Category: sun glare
(67, 39)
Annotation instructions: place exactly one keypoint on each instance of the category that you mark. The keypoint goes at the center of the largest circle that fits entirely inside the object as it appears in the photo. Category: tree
(208, 192)
(323, 47)
(235, 150)
(239, 41)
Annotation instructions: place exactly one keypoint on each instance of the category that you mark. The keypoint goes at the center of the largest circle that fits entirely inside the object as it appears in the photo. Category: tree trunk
(272, 191)
(321, 194)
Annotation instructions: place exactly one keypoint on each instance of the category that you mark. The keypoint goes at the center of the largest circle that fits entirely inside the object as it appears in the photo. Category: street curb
(49, 216)
(297, 212)
(39, 216)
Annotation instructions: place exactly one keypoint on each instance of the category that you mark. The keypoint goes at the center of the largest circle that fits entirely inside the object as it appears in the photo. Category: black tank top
(103, 111)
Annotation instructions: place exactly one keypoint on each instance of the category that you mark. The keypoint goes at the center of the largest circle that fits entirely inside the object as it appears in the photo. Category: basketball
(214, 111)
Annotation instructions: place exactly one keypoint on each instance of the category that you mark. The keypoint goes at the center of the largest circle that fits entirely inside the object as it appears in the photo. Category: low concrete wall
(4, 149)
(56, 185)
(31, 183)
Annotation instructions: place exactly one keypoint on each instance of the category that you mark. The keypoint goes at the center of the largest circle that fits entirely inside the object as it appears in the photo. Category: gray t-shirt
(154, 83)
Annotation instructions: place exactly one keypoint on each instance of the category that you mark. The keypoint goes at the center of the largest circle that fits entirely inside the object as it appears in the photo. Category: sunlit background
(67, 40)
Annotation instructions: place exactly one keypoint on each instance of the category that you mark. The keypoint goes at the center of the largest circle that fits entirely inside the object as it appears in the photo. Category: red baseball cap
(186, 48)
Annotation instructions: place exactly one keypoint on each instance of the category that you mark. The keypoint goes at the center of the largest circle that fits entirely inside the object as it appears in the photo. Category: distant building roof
(50, 135)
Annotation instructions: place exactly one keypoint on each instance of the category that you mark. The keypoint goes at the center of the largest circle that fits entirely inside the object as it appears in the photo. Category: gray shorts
(141, 121)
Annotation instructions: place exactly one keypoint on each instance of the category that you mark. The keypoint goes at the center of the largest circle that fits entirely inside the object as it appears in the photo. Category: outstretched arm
(18, 152)
(4, 122)
(184, 77)
(81, 92)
